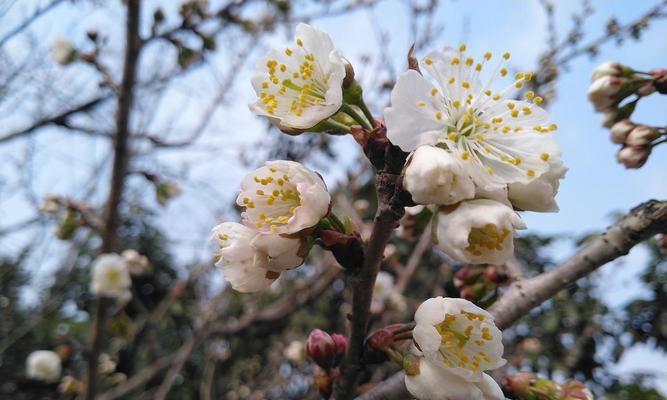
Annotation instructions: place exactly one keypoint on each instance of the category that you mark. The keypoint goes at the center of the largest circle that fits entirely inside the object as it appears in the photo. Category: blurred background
(191, 138)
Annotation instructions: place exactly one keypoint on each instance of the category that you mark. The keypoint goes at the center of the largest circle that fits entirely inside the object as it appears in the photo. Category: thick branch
(643, 222)
(389, 161)
(119, 171)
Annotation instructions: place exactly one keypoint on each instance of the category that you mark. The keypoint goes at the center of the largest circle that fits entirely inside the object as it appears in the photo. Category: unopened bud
(633, 156)
(609, 68)
(491, 274)
(321, 348)
(642, 135)
(575, 390)
(381, 339)
(609, 117)
(603, 92)
(620, 131)
(349, 75)
(341, 347)
(528, 386)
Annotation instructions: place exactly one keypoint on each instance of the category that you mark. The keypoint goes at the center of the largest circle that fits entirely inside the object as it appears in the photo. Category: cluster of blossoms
(282, 201)
(476, 154)
(613, 83)
(44, 365)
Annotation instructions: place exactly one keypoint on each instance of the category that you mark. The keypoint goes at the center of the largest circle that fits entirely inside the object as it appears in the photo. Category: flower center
(295, 82)
(459, 333)
(274, 200)
(113, 277)
(490, 237)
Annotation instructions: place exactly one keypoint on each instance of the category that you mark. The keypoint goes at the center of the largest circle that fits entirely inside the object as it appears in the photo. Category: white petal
(408, 124)
(436, 383)
(282, 252)
(490, 389)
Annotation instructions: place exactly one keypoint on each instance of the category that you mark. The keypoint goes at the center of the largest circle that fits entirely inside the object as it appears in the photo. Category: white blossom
(62, 51)
(111, 277)
(251, 260)
(137, 263)
(620, 131)
(433, 382)
(478, 231)
(382, 291)
(434, 176)
(604, 91)
(43, 365)
(642, 135)
(633, 156)
(283, 197)
(458, 336)
(497, 140)
(540, 194)
(300, 86)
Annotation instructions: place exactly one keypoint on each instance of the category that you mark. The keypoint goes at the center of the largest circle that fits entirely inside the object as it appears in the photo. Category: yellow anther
(529, 94)
(538, 100)
(496, 97)
(503, 71)
(510, 105)
(478, 67)
(456, 61)
(288, 51)
(299, 42)
(527, 111)
(506, 55)
(453, 136)
(469, 61)
(544, 156)
(528, 76)
(456, 103)
(487, 56)
(260, 192)
(489, 170)
(530, 173)
(434, 91)
(420, 104)
(553, 127)
(438, 115)
(518, 75)
(428, 61)
(518, 84)
(246, 200)
(462, 47)
(465, 84)
(451, 80)
(465, 155)
(487, 92)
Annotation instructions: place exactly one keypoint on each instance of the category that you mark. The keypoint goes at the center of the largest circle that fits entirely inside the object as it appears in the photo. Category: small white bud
(43, 365)
(621, 130)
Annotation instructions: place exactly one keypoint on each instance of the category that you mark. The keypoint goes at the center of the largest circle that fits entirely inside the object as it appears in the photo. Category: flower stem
(336, 223)
(335, 125)
(349, 110)
(366, 111)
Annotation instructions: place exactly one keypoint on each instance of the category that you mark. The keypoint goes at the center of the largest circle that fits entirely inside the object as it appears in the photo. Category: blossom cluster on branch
(472, 154)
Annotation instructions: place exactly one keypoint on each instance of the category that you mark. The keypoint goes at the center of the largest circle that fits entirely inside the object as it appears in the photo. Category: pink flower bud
(621, 130)
(642, 135)
(381, 339)
(341, 347)
(633, 156)
(321, 348)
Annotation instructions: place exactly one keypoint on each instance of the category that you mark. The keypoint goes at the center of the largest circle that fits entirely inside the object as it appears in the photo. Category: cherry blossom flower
(300, 86)
(458, 336)
(433, 176)
(43, 365)
(497, 140)
(283, 197)
(433, 382)
(250, 260)
(478, 231)
(111, 277)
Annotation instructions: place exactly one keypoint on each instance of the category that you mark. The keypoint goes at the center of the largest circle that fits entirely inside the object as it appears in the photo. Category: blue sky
(596, 185)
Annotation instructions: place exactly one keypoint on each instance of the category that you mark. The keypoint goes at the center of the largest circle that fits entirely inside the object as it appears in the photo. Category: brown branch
(388, 160)
(643, 222)
(119, 171)
(58, 119)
